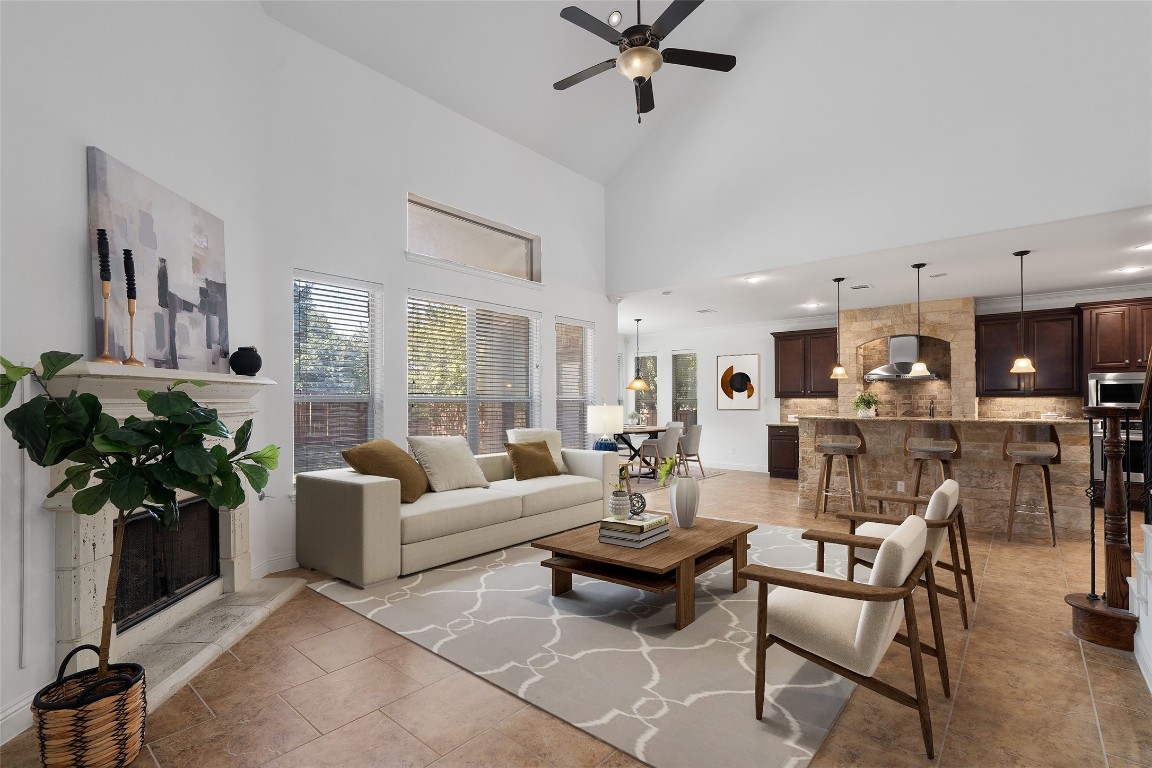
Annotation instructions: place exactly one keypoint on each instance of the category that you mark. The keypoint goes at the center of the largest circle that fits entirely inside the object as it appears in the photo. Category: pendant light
(838, 372)
(1022, 364)
(638, 384)
(918, 367)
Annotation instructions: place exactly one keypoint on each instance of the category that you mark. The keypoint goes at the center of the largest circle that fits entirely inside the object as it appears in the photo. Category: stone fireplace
(84, 543)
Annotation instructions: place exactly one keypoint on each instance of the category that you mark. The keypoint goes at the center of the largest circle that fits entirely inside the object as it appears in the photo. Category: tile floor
(317, 685)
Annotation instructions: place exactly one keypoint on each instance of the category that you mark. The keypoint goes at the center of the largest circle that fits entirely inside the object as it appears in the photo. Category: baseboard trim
(16, 717)
(280, 562)
(737, 467)
(1144, 656)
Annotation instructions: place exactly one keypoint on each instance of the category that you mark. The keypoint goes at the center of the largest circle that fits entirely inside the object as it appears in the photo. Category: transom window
(440, 232)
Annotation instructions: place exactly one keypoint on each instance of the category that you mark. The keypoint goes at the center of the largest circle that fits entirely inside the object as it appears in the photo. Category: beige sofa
(354, 527)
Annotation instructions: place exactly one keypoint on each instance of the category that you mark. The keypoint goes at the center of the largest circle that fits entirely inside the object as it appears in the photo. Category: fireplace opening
(160, 567)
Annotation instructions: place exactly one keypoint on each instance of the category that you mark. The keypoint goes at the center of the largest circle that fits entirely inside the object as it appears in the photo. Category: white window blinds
(575, 377)
(334, 358)
(684, 387)
(472, 370)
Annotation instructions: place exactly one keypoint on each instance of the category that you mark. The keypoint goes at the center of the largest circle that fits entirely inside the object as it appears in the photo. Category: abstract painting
(739, 382)
(178, 249)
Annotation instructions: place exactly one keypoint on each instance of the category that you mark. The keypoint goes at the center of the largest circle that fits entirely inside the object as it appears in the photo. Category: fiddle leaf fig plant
(137, 464)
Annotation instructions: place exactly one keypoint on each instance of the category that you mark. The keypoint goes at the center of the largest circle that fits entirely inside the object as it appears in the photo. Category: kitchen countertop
(949, 420)
(783, 424)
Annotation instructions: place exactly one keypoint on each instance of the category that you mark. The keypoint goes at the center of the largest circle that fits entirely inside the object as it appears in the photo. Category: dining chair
(654, 452)
(690, 448)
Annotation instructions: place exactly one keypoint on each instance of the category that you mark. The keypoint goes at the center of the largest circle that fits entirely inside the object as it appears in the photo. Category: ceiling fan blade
(589, 22)
(644, 100)
(672, 16)
(721, 62)
(583, 75)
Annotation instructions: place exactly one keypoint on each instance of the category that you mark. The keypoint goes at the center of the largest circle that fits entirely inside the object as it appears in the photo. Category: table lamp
(608, 420)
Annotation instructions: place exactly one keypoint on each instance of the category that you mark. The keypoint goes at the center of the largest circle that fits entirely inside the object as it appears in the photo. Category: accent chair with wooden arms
(942, 516)
(847, 627)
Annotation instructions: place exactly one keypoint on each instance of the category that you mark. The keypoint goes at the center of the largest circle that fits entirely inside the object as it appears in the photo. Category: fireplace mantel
(84, 543)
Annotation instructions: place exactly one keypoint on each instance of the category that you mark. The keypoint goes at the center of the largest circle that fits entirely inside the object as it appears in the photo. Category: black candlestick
(130, 274)
(102, 249)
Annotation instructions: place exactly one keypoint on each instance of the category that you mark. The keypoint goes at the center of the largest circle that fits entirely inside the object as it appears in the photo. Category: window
(646, 399)
(472, 370)
(684, 387)
(575, 380)
(440, 232)
(334, 358)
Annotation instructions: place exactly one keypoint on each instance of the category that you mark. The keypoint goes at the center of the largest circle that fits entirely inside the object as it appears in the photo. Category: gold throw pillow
(531, 460)
(384, 458)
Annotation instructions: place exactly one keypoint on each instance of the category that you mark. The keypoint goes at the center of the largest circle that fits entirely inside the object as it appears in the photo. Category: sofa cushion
(384, 458)
(550, 436)
(448, 461)
(546, 494)
(531, 460)
(466, 509)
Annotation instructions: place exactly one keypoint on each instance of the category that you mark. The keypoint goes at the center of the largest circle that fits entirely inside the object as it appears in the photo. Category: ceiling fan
(640, 53)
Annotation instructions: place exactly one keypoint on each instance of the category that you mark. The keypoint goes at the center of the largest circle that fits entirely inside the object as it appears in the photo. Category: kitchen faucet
(932, 408)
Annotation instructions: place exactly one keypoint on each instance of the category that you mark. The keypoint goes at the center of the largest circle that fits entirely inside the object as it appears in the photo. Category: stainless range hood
(902, 353)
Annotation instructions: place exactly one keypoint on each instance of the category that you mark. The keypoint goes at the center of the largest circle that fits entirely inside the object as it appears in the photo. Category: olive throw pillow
(384, 458)
(550, 436)
(531, 460)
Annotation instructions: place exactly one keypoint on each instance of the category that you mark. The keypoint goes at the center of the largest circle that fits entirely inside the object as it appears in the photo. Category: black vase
(245, 361)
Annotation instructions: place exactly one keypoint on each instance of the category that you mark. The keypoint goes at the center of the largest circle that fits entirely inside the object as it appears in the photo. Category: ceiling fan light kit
(640, 54)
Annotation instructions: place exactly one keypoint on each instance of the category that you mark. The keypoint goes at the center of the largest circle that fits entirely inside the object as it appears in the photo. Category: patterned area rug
(607, 658)
(646, 483)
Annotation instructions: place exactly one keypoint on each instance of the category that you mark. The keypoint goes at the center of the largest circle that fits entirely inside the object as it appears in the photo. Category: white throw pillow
(448, 462)
(550, 436)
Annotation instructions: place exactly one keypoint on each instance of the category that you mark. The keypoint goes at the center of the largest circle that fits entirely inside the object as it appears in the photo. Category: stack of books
(635, 532)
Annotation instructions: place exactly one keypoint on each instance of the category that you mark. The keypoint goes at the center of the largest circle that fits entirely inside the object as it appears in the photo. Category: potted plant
(96, 717)
(633, 419)
(865, 404)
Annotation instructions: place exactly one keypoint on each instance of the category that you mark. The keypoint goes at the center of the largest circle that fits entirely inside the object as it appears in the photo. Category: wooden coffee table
(670, 564)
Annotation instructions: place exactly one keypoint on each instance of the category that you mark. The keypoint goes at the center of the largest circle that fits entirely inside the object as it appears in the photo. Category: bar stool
(934, 433)
(1022, 446)
(840, 438)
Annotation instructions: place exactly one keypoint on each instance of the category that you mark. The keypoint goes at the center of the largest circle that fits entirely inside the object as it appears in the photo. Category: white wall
(308, 159)
(847, 128)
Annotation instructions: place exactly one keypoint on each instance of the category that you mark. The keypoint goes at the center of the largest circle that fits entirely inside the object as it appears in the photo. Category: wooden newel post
(1110, 623)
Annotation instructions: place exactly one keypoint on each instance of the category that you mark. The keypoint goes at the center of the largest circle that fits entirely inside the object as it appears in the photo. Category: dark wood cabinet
(804, 361)
(1051, 340)
(1117, 335)
(784, 452)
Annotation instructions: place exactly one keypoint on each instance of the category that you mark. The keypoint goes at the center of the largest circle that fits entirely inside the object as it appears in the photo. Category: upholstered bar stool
(1032, 445)
(840, 438)
(931, 441)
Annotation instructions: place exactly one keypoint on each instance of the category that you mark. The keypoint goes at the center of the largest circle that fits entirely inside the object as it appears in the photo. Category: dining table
(624, 438)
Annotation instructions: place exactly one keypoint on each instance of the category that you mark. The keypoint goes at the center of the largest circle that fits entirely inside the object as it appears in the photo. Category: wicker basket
(82, 722)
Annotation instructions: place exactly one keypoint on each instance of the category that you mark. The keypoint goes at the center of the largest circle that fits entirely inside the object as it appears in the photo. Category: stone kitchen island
(984, 476)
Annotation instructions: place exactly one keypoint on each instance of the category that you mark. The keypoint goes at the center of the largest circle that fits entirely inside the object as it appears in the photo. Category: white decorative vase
(619, 505)
(684, 497)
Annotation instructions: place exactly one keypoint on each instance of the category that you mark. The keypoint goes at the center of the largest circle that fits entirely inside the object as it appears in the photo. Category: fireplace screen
(159, 567)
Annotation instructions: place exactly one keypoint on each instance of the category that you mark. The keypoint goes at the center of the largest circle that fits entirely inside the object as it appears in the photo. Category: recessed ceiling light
(812, 305)
(939, 274)
(1145, 247)
(753, 279)
(705, 311)
(615, 18)
(1127, 270)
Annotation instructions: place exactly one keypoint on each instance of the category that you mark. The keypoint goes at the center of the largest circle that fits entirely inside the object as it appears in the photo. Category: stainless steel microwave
(1115, 390)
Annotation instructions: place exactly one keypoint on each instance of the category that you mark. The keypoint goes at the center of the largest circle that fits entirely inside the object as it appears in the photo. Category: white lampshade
(605, 420)
(838, 372)
(919, 369)
(640, 61)
(1023, 365)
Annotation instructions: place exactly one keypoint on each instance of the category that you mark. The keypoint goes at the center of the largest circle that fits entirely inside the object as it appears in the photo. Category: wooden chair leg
(822, 489)
(1048, 501)
(956, 573)
(918, 675)
(917, 469)
(1012, 498)
(938, 630)
(855, 486)
(761, 645)
(967, 556)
